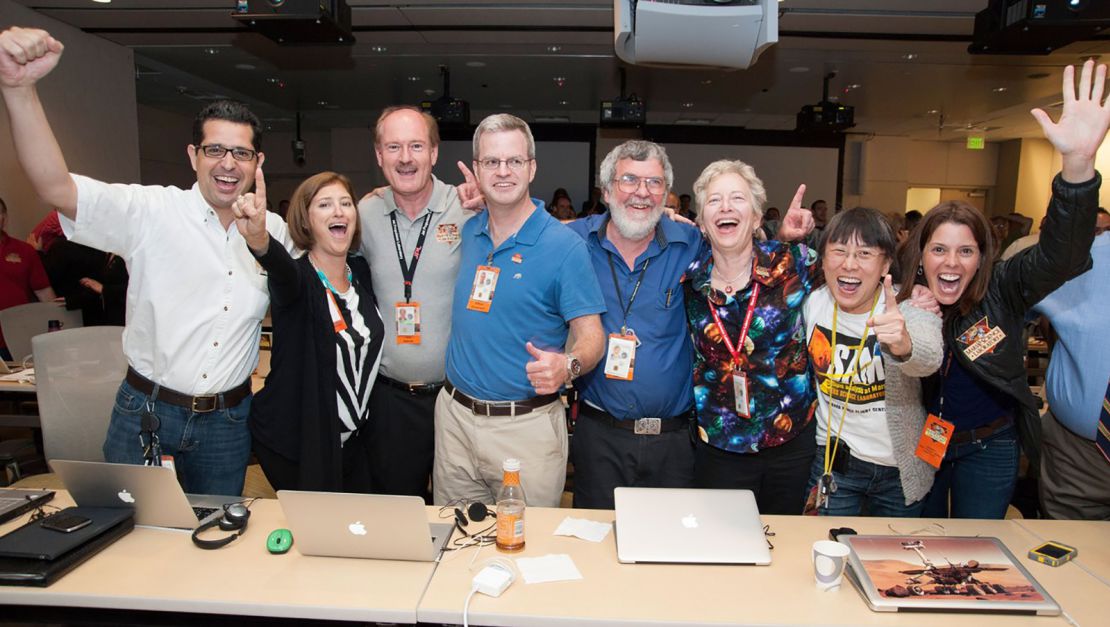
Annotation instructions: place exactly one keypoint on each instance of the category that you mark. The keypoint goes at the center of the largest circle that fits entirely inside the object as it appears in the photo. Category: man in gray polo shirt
(418, 212)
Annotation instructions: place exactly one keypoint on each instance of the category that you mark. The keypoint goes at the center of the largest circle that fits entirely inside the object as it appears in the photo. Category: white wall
(90, 102)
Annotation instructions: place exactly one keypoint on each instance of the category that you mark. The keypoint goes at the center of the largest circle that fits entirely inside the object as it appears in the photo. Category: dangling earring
(920, 270)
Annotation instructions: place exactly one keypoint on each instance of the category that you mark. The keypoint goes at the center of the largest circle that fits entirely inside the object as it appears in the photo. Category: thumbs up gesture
(548, 372)
(890, 326)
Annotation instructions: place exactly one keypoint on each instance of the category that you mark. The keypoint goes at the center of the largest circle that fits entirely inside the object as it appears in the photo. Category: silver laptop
(944, 574)
(685, 526)
(152, 491)
(374, 526)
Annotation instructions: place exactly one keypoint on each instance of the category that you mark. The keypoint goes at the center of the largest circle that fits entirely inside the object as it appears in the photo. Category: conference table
(157, 570)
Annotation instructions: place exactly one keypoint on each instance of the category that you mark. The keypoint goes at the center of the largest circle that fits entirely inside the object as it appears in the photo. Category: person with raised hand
(868, 352)
(982, 405)
(196, 297)
(308, 423)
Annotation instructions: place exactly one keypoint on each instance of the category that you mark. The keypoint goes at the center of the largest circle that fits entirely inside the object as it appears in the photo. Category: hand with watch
(549, 370)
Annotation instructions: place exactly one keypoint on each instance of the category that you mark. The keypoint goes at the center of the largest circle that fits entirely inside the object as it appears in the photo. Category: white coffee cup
(829, 559)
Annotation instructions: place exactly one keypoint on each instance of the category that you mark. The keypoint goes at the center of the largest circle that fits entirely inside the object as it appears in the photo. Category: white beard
(634, 230)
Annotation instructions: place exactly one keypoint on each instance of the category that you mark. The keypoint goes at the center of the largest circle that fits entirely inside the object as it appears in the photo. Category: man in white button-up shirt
(196, 297)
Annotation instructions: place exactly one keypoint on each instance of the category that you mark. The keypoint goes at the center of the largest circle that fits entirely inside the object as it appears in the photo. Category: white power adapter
(493, 580)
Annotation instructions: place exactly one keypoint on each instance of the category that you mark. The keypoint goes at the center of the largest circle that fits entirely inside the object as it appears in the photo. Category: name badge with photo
(740, 393)
(481, 294)
(408, 322)
(934, 440)
(621, 357)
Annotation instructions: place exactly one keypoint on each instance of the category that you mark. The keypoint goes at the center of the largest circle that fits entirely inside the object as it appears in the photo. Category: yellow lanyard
(852, 371)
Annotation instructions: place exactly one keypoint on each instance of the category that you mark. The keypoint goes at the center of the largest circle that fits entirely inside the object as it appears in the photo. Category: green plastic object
(279, 541)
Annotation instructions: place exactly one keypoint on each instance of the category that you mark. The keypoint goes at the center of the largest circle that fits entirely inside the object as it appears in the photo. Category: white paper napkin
(590, 530)
(548, 568)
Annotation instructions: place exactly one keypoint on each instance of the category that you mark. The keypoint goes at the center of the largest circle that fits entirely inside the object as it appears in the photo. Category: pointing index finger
(888, 290)
(260, 185)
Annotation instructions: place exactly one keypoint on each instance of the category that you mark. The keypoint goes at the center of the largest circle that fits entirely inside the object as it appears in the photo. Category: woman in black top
(307, 422)
(981, 392)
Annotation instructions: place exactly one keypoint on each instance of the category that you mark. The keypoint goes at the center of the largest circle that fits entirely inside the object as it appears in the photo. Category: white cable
(466, 605)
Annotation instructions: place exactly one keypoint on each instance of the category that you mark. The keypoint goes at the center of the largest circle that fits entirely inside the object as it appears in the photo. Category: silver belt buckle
(648, 426)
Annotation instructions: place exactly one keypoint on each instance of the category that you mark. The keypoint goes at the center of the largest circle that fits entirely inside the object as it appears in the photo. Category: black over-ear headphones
(476, 512)
(234, 519)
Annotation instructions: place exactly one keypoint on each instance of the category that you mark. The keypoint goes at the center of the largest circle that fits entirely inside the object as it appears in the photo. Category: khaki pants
(470, 449)
(1075, 477)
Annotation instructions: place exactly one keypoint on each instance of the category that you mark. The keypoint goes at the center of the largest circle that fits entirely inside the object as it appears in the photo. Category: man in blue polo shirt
(634, 412)
(519, 291)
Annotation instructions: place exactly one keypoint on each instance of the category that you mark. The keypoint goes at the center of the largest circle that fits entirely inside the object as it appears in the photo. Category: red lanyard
(743, 330)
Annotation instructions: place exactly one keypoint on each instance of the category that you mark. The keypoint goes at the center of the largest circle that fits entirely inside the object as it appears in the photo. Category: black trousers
(607, 457)
(777, 475)
(284, 473)
(401, 441)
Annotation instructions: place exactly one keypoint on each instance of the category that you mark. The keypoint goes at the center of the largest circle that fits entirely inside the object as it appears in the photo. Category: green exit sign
(976, 143)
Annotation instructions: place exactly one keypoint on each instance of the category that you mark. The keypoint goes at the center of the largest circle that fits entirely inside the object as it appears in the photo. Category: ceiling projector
(670, 33)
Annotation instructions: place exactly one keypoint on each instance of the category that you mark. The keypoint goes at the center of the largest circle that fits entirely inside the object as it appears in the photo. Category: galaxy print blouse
(781, 397)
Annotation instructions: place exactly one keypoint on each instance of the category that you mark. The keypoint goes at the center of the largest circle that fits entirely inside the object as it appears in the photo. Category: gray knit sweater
(905, 412)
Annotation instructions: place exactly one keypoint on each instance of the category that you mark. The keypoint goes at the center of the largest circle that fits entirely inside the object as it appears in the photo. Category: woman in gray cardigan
(868, 354)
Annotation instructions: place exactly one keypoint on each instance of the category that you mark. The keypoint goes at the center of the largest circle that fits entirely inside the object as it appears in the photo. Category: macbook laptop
(683, 526)
(14, 502)
(374, 526)
(152, 491)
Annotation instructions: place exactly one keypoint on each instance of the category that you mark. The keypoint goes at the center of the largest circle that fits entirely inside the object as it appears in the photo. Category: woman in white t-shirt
(867, 353)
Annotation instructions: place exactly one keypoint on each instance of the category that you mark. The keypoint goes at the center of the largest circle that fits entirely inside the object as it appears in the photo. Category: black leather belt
(639, 426)
(978, 433)
(499, 408)
(416, 389)
(200, 404)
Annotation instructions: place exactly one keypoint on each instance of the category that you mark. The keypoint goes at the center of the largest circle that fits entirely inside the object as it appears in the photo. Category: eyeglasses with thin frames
(216, 151)
(629, 183)
(515, 163)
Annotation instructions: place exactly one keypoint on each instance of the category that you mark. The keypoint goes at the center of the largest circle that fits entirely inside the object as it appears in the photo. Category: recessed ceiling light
(322, 103)
(429, 92)
(854, 86)
(244, 66)
(554, 48)
(273, 80)
(103, 1)
(932, 112)
(909, 56)
(475, 64)
(211, 51)
(707, 81)
(378, 48)
(999, 90)
(414, 79)
(799, 69)
(564, 102)
(687, 105)
(560, 80)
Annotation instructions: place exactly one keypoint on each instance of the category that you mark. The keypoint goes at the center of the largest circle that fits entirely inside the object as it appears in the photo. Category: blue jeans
(210, 450)
(980, 476)
(879, 486)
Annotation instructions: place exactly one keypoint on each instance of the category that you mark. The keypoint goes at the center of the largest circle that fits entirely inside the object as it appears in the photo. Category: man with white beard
(635, 408)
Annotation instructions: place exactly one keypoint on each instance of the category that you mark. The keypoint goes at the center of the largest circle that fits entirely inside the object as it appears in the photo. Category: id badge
(167, 461)
(934, 440)
(621, 357)
(740, 393)
(407, 316)
(481, 294)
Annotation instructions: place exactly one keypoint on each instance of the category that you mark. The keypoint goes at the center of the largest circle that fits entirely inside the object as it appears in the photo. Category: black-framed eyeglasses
(216, 151)
(515, 163)
(629, 183)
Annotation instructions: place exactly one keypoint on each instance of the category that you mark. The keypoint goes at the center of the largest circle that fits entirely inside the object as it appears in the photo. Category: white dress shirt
(196, 296)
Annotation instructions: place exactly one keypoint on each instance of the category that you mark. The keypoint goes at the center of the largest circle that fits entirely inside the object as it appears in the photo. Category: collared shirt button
(204, 376)
(229, 273)
(225, 307)
(215, 343)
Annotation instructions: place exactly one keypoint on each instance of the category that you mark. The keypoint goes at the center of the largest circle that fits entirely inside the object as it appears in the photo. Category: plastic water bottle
(510, 509)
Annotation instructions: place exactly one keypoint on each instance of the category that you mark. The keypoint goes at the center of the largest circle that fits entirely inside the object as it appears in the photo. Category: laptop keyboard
(203, 512)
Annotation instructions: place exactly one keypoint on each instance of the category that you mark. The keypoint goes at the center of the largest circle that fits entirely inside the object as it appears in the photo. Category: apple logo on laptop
(357, 528)
(125, 496)
(690, 521)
